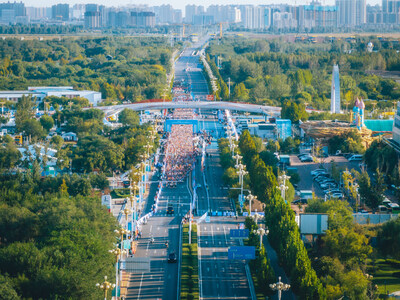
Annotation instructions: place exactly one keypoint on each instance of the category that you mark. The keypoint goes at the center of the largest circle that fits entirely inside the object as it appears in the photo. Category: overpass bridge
(222, 105)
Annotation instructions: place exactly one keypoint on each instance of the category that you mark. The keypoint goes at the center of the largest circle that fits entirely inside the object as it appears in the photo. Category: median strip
(189, 264)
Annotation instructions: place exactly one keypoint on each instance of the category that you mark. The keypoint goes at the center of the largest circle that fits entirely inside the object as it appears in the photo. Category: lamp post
(261, 232)
(279, 286)
(283, 178)
(121, 232)
(241, 173)
(250, 197)
(232, 147)
(105, 286)
(237, 157)
(133, 201)
(118, 254)
(283, 189)
(127, 211)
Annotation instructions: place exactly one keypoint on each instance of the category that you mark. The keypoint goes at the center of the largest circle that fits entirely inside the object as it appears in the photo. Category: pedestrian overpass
(211, 105)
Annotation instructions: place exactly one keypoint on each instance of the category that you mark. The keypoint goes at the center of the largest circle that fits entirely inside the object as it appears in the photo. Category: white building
(41, 92)
(396, 125)
(335, 91)
(32, 151)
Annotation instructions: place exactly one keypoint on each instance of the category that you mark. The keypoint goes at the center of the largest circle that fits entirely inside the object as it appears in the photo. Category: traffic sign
(239, 233)
(210, 97)
(242, 252)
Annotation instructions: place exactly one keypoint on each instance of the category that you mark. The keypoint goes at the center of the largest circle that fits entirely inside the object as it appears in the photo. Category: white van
(356, 157)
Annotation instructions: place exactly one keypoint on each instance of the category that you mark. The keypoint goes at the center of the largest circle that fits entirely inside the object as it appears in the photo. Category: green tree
(47, 122)
(24, 112)
(293, 112)
(128, 117)
(389, 238)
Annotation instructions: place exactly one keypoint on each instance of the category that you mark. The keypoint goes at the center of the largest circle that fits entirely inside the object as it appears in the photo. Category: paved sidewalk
(273, 259)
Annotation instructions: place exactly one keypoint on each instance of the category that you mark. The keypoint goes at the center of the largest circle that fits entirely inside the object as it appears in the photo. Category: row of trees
(54, 238)
(129, 69)
(275, 71)
(284, 233)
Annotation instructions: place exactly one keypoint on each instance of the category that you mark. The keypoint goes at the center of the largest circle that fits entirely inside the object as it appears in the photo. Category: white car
(337, 195)
(317, 171)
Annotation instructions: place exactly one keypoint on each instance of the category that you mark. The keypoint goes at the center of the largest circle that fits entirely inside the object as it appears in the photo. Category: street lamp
(105, 286)
(118, 255)
(121, 232)
(283, 189)
(279, 286)
(241, 173)
(133, 201)
(127, 211)
(283, 178)
(261, 231)
(250, 197)
(237, 157)
(232, 147)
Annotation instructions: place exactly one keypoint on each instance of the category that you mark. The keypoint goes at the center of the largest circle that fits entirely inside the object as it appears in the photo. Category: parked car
(318, 171)
(337, 195)
(328, 185)
(333, 190)
(355, 157)
(300, 201)
(307, 159)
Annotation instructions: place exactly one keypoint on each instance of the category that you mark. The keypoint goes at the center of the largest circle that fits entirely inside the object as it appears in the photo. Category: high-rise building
(92, 19)
(60, 12)
(192, 10)
(10, 11)
(391, 11)
(317, 16)
(335, 91)
(36, 13)
(351, 12)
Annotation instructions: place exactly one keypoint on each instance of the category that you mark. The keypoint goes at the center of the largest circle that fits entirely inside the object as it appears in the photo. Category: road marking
(140, 286)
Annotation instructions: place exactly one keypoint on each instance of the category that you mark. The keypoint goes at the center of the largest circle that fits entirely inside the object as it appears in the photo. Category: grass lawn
(383, 272)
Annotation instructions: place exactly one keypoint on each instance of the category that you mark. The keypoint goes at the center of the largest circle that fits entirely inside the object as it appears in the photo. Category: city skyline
(180, 4)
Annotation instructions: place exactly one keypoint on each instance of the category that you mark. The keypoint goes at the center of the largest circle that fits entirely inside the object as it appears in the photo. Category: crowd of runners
(180, 151)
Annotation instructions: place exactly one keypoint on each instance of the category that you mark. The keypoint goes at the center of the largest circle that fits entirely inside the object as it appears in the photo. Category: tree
(47, 122)
(293, 112)
(24, 112)
(33, 129)
(9, 156)
(389, 238)
(346, 245)
(371, 194)
(240, 92)
(57, 141)
(128, 117)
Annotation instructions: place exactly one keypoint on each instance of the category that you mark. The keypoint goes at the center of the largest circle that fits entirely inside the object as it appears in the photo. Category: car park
(321, 175)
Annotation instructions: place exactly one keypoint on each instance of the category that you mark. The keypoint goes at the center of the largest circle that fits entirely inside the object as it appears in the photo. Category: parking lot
(304, 170)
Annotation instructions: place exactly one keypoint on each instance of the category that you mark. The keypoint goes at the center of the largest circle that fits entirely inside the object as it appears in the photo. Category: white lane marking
(199, 265)
(140, 286)
(212, 234)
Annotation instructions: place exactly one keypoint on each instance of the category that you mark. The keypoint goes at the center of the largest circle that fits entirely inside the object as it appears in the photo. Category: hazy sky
(176, 3)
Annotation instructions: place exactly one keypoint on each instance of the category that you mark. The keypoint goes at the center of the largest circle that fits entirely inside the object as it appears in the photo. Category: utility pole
(229, 87)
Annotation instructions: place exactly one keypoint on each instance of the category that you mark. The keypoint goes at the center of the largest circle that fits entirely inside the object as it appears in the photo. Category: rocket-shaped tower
(335, 91)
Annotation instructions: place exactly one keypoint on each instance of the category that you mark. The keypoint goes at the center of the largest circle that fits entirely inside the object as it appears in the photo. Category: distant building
(396, 125)
(143, 19)
(351, 12)
(10, 11)
(41, 92)
(391, 11)
(317, 16)
(60, 12)
(335, 91)
(92, 19)
(192, 10)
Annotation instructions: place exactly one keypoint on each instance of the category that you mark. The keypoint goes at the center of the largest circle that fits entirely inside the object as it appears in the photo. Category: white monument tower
(335, 91)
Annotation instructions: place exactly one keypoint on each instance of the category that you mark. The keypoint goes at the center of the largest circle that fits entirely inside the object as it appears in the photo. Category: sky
(178, 3)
